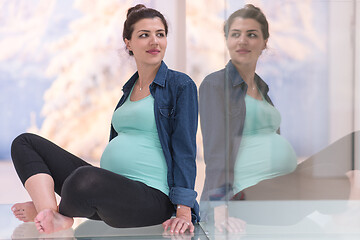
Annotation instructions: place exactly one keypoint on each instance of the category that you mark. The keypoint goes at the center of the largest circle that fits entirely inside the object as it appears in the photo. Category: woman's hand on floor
(181, 222)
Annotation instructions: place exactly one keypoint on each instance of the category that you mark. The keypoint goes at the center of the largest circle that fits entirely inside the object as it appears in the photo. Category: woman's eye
(143, 35)
(235, 35)
(161, 35)
(252, 35)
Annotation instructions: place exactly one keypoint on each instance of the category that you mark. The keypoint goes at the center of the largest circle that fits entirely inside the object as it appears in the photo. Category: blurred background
(63, 64)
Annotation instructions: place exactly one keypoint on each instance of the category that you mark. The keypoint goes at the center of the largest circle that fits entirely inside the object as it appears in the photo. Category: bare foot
(25, 212)
(49, 221)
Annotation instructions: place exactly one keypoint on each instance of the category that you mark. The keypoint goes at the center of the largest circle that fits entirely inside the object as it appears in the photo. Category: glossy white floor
(337, 219)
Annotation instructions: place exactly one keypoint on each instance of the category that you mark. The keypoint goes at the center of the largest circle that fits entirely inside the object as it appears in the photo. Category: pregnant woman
(245, 157)
(238, 98)
(148, 169)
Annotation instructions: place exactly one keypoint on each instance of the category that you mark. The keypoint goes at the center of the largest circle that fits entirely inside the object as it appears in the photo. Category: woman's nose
(242, 39)
(154, 39)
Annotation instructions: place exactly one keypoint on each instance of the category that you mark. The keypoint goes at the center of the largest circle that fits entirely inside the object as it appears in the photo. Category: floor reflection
(290, 220)
(317, 218)
(11, 228)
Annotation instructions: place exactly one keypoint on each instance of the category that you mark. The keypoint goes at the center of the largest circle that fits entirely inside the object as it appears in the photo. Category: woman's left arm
(183, 143)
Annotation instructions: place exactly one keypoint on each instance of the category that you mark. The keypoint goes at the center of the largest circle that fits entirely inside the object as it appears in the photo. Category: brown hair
(137, 13)
(249, 11)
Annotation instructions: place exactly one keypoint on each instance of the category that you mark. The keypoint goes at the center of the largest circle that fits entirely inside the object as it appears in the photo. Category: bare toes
(24, 211)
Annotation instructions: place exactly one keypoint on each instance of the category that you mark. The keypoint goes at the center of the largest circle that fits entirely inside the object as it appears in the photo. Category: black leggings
(88, 191)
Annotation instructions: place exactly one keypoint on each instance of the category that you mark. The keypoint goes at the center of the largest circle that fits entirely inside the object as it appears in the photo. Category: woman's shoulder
(214, 79)
(178, 79)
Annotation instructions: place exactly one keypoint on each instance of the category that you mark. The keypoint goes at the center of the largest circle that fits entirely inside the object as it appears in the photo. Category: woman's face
(148, 41)
(245, 41)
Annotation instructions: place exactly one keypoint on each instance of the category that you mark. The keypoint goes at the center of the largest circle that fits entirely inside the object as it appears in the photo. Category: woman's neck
(147, 73)
(247, 73)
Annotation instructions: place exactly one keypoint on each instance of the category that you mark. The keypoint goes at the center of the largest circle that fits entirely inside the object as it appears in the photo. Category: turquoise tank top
(263, 154)
(136, 152)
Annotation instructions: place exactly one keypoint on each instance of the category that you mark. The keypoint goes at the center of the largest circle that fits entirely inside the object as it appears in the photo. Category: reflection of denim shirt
(176, 117)
(222, 103)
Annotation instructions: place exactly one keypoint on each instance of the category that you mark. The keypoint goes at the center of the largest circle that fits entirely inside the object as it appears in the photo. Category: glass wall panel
(290, 153)
(277, 152)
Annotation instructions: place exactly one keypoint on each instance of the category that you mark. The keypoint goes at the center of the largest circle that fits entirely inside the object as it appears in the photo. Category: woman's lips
(242, 51)
(153, 51)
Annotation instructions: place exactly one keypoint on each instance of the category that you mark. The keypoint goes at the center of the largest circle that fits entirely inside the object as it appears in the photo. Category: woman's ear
(265, 45)
(128, 44)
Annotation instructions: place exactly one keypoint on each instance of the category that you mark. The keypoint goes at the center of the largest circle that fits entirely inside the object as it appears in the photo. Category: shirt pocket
(167, 111)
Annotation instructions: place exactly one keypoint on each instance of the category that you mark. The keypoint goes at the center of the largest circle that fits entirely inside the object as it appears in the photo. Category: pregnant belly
(140, 159)
(261, 157)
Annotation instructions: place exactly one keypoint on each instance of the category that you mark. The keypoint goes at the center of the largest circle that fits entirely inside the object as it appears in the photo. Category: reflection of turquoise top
(136, 152)
(263, 154)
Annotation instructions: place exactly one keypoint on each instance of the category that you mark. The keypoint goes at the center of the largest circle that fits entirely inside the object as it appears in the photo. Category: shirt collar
(130, 83)
(236, 79)
(233, 74)
(160, 78)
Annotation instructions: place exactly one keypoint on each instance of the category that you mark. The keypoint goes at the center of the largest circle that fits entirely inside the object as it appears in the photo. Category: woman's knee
(82, 181)
(19, 144)
(20, 141)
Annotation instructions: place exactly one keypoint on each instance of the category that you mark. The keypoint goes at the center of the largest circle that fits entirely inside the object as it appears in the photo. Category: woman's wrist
(182, 210)
(182, 206)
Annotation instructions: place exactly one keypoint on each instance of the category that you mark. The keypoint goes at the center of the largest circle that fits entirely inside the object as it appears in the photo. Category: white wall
(341, 69)
(344, 73)
(175, 13)
(357, 83)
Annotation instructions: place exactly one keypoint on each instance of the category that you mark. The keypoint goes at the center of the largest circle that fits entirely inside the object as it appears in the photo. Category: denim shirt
(222, 103)
(176, 117)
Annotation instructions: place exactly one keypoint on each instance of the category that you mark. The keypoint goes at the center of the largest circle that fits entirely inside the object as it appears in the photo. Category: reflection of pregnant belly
(260, 157)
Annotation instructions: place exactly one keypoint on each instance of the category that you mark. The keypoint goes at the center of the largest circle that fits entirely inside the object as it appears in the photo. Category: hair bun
(136, 8)
(252, 7)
